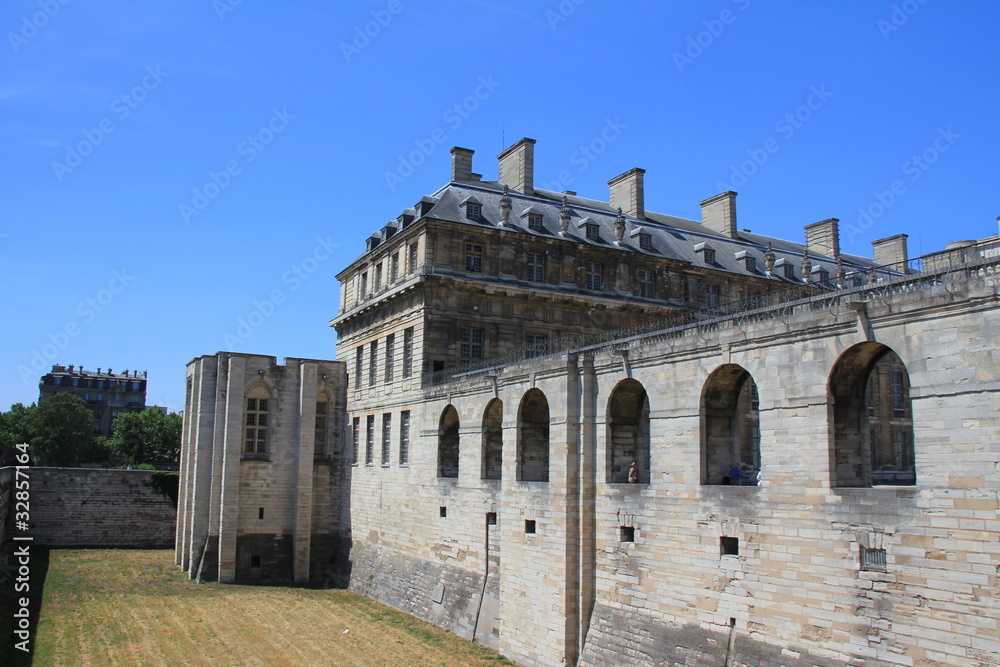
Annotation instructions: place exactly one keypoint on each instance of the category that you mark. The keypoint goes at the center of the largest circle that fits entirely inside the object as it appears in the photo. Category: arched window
(320, 436)
(533, 438)
(493, 439)
(872, 418)
(448, 443)
(730, 435)
(628, 433)
(257, 419)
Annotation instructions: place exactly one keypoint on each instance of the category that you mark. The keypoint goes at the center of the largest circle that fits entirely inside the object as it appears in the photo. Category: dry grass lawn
(114, 607)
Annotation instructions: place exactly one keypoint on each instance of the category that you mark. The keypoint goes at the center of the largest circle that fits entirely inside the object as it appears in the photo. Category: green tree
(62, 432)
(15, 425)
(140, 437)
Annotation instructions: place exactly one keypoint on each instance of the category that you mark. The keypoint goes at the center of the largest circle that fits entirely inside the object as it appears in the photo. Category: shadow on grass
(12, 590)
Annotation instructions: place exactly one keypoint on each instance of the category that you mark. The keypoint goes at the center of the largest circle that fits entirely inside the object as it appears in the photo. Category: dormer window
(709, 256)
(645, 242)
(748, 260)
(820, 275)
(592, 232)
(789, 270)
(535, 222)
(473, 211)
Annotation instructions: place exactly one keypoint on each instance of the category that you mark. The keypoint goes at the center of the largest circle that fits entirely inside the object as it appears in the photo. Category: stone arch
(257, 410)
(730, 427)
(872, 418)
(628, 432)
(533, 437)
(448, 443)
(492, 453)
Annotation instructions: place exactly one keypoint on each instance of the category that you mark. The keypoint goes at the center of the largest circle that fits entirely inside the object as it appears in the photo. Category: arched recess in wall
(258, 407)
(533, 437)
(492, 439)
(730, 428)
(628, 432)
(448, 443)
(320, 433)
(872, 418)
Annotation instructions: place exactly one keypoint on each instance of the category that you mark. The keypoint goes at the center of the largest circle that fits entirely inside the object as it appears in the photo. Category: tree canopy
(61, 430)
(142, 437)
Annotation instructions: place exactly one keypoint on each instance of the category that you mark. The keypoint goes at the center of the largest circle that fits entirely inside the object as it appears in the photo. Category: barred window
(359, 356)
(372, 363)
(472, 345)
(404, 437)
(390, 343)
(873, 559)
(370, 440)
(474, 257)
(408, 352)
(595, 276)
(413, 256)
(536, 267)
(319, 437)
(356, 445)
(386, 437)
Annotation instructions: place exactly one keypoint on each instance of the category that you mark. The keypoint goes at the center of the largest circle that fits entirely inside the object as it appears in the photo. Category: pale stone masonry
(814, 437)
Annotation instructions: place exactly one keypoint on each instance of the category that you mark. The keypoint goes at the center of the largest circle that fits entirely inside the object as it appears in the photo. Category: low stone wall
(75, 507)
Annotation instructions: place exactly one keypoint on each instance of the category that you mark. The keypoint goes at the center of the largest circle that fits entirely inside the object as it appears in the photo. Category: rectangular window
(535, 222)
(363, 286)
(711, 296)
(593, 233)
(319, 439)
(474, 257)
(394, 268)
(873, 559)
(646, 286)
(472, 345)
(372, 363)
(359, 355)
(896, 384)
(386, 437)
(390, 344)
(709, 256)
(404, 438)
(473, 211)
(729, 546)
(377, 280)
(789, 270)
(536, 345)
(408, 352)
(751, 264)
(370, 440)
(413, 257)
(536, 267)
(626, 534)
(356, 445)
(255, 438)
(645, 242)
(595, 276)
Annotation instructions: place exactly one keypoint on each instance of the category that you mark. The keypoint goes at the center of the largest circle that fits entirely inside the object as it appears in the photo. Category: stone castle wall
(79, 507)
(795, 593)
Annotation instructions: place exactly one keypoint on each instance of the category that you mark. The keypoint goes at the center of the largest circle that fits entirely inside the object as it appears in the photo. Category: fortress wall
(79, 507)
(796, 589)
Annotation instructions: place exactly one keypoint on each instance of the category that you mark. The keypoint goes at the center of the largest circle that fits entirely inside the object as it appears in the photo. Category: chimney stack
(517, 166)
(824, 237)
(627, 193)
(461, 164)
(891, 251)
(719, 213)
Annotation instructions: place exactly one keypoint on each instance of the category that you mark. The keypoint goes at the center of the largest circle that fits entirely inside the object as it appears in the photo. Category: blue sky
(170, 169)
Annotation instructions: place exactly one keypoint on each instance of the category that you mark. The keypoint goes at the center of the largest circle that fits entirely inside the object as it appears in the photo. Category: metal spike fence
(920, 273)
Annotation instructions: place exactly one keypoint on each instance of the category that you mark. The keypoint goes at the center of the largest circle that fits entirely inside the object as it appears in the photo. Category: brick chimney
(517, 166)
(461, 164)
(627, 193)
(891, 250)
(719, 213)
(824, 237)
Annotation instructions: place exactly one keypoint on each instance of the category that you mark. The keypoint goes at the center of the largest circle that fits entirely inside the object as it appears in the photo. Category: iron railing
(918, 273)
